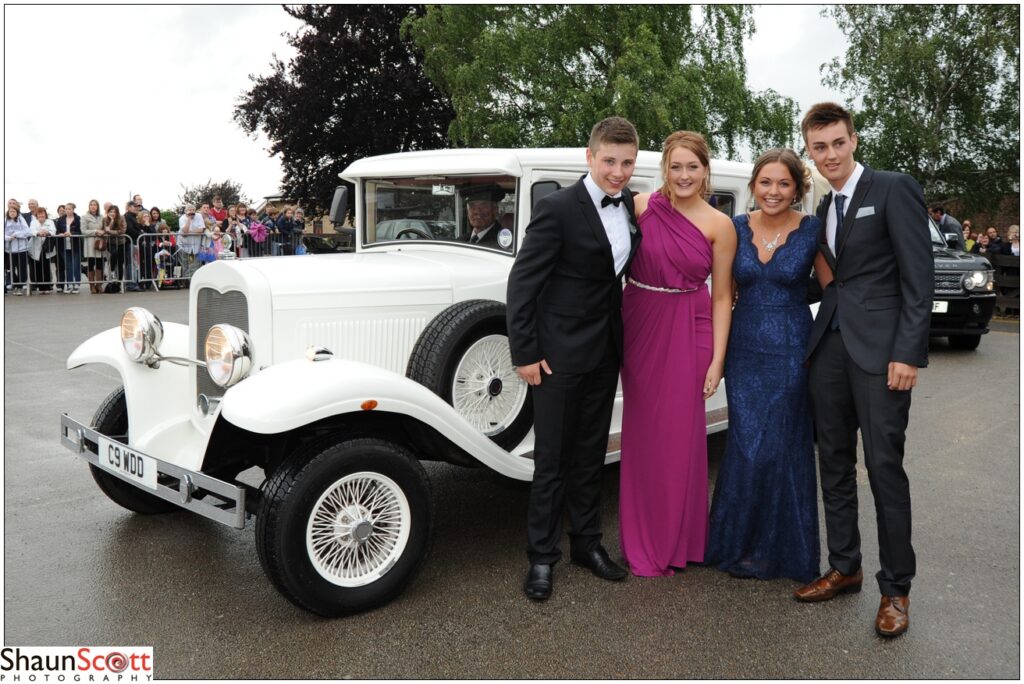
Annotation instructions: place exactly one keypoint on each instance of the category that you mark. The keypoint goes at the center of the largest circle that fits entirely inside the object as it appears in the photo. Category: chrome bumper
(211, 498)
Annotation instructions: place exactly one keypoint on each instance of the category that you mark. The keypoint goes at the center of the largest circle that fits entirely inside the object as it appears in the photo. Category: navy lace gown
(764, 515)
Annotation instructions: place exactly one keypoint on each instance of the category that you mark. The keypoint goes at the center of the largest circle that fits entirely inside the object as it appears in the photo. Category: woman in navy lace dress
(764, 516)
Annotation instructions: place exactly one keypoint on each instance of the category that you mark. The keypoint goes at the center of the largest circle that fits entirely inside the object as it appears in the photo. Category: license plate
(117, 458)
(940, 307)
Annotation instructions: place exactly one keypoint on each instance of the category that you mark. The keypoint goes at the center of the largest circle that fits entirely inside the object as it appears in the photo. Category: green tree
(355, 88)
(521, 75)
(230, 193)
(941, 94)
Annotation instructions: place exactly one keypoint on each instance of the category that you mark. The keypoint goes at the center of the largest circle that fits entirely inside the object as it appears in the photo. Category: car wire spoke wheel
(358, 529)
(486, 389)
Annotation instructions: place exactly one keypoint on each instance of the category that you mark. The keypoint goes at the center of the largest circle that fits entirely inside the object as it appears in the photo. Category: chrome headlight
(141, 334)
(228, 355)
(977, 280)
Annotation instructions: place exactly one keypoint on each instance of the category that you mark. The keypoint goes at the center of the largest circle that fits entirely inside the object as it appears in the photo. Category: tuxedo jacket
(883, 273)
(564, 297)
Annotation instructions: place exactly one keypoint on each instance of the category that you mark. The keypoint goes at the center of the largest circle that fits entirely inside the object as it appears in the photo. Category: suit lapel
(594, 221)
(850, 217)
(822, 214)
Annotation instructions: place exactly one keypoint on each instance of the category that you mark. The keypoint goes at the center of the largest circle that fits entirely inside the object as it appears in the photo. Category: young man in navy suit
(868, 341)
(565, 333)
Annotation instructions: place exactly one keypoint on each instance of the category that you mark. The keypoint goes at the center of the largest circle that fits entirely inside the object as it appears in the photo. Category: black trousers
(847, 398)
(572, 414)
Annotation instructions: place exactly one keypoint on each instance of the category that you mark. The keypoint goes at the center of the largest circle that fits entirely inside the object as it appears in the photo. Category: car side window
(541, 190)
(725, 202)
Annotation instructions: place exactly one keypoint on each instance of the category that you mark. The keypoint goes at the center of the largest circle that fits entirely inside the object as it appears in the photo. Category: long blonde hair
(694, 142)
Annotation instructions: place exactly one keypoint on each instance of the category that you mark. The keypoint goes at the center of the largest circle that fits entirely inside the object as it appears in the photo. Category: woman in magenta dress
(675, 339)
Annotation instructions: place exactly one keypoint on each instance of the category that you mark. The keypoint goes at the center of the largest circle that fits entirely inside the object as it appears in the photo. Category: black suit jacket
(564, 296)
(884, 273)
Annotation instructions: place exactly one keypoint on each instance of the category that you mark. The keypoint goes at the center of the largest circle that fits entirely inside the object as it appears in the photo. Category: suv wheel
(111, 420)
(344, 528)
(463, 357)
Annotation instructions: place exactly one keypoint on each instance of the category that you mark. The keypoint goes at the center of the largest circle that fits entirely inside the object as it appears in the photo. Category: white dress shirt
(615, 220)
(847, 192)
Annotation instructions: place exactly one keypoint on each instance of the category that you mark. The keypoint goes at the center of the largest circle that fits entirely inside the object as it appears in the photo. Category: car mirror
(339, 205)
(952, 241)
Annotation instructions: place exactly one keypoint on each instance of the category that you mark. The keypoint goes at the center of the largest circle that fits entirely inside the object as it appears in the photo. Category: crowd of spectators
(134, 250)
(988, 242)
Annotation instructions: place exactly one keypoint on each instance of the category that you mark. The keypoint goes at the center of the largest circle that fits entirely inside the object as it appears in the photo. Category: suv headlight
(977, 280)
(141, 334)
(228, 355)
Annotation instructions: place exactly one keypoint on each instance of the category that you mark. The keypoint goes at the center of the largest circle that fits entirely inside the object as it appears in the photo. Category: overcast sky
(103, 102)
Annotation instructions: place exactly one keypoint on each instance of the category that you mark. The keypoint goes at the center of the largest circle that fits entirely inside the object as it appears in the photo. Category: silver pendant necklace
(770, 246)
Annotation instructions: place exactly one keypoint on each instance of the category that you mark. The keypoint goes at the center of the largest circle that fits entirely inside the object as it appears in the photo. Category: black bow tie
(611, 200)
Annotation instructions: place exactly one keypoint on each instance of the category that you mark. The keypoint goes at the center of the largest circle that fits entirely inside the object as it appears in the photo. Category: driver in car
(482, 206)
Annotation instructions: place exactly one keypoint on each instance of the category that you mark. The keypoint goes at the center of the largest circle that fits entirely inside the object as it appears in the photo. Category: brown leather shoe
(893, 616)
(829, 585)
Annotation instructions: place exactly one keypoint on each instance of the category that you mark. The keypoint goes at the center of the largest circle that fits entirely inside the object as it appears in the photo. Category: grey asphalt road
(79, 570)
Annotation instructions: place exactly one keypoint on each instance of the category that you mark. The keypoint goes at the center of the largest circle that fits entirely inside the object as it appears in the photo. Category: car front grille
(949, 282)
(213, 307)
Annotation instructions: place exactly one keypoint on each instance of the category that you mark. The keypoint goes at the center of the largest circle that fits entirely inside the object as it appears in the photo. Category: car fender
(295, 393)
(152, 423)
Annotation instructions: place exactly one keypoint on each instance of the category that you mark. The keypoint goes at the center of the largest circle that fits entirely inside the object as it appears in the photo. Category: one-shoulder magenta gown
(663, 503)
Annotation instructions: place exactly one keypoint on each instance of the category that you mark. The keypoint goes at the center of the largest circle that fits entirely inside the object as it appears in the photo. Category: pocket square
(865, 211)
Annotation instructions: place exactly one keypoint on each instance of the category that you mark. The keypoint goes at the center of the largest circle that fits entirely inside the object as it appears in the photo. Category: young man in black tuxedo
(565, 332)
(868, 340)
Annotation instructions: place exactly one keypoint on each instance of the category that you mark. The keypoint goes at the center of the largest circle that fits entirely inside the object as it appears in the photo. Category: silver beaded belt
(670, 290)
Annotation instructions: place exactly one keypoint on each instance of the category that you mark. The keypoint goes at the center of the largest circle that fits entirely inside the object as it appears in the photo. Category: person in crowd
(166, 247)
(94, 247)
(132, 230)
(272, 243)
(31, 213)
(243, 242)
(947, 224)
(190, 230)
(289, 232)
(145, 245)
(17, 235)
(867, 343)
(114, 232)
(300, 220)
(565, 337)
(1012, 245)
(968, 234)
(675, 341)
(137, 200)
(42, 228)
(69, 236)
(985, 246)
(968, 237)
(482, 213)
(764, 515)
(993, 238)
(218, 212)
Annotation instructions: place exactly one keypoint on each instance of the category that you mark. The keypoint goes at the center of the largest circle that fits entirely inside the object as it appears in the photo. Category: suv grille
(948, 282)
(213, 307)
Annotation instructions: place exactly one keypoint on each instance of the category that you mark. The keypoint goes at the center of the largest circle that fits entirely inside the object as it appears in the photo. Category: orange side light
(368, 405)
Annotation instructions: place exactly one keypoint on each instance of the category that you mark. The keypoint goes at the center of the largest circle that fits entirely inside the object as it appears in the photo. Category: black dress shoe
(599, 563)
(538, 582)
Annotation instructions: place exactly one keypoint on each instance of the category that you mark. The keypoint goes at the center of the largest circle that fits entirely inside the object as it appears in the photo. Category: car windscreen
(477, 211)
(937, 237)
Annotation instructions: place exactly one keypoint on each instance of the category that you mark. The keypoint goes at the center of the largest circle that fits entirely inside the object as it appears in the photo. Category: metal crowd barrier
(153, 261)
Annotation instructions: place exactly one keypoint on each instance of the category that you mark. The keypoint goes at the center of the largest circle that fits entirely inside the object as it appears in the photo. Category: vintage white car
(337, 374)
